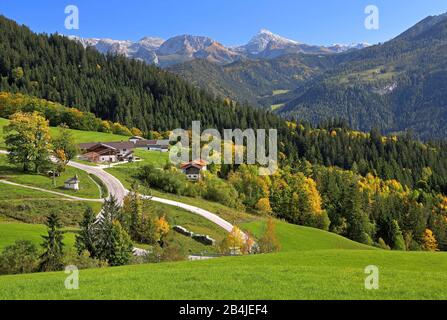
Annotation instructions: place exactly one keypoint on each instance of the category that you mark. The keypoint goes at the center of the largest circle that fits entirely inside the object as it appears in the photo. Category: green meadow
(88, 188)
(12, 231)
(301, 274)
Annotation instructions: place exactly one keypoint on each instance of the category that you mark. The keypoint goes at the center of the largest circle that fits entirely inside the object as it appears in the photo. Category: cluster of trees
(55, 113)
(24, 257)
(110, 238)
(171, 180)
(366, 209)
(31, 146)
(383, 212)
(409, 161)
(236, 242)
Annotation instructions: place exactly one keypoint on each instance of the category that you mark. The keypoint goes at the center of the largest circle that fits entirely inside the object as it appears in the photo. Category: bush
(21, 257)
(381, 244)
(83, 260)
(169, 181)
(219, 191)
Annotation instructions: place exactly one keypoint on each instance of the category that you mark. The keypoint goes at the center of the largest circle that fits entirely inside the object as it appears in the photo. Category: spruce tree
(85, 240)
(52, 258)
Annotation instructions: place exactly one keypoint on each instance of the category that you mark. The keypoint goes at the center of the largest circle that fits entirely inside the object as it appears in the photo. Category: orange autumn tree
(263, 206)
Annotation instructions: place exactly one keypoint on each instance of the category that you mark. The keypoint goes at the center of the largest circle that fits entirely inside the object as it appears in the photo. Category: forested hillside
(255, 81)
(396, 86)
(112, 87)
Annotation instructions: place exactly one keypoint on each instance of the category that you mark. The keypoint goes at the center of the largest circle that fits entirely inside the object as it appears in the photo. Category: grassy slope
(298, 238)
(11, 231)
(313, 265)
(190, 221)
(331, 274)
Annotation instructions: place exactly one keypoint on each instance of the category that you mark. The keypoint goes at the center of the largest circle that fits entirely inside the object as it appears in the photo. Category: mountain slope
(254, 81)
(396, 86)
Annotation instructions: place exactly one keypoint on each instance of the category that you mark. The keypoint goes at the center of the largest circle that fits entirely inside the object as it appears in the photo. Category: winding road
(117, 189)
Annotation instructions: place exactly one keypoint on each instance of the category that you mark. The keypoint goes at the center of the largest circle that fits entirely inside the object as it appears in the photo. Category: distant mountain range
(183, 48)
(395, 86)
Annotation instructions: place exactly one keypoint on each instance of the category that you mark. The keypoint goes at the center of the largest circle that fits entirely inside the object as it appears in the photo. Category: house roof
(111, 145)
(141, 143)
(196, 163)
(73, 180)
(163, 142)
(137, 138)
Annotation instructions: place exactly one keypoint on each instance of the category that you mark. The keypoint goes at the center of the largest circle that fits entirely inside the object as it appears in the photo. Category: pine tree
(52, 258)
(133, 210)
(398, 238)
(85, 240)
(113, 243)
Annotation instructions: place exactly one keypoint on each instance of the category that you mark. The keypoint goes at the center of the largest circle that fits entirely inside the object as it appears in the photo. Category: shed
(72, 183)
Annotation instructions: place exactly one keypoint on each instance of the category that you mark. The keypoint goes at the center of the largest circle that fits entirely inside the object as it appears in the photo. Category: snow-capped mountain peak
(264, 45)
(263, 39)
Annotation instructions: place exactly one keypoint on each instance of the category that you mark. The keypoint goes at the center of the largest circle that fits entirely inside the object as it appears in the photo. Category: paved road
(114, 186)
(201, 212)
(117, 189)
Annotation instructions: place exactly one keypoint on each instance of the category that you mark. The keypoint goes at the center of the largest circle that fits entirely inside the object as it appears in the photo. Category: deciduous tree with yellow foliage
(28, 140)
(429, 241)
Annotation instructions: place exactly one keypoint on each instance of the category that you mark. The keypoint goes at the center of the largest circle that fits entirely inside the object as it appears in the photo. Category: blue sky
(228, 21)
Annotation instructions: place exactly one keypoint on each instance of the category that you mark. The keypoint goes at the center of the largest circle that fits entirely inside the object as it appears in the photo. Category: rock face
(183, 48)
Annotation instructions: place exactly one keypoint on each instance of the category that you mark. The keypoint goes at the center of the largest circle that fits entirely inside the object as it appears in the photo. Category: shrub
(168, 181)
(21, 257)
(83, 260)
(219, 191)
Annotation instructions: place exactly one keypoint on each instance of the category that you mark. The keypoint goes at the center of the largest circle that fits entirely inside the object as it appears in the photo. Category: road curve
(201, 212)
(114, 186)
(117, 189)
